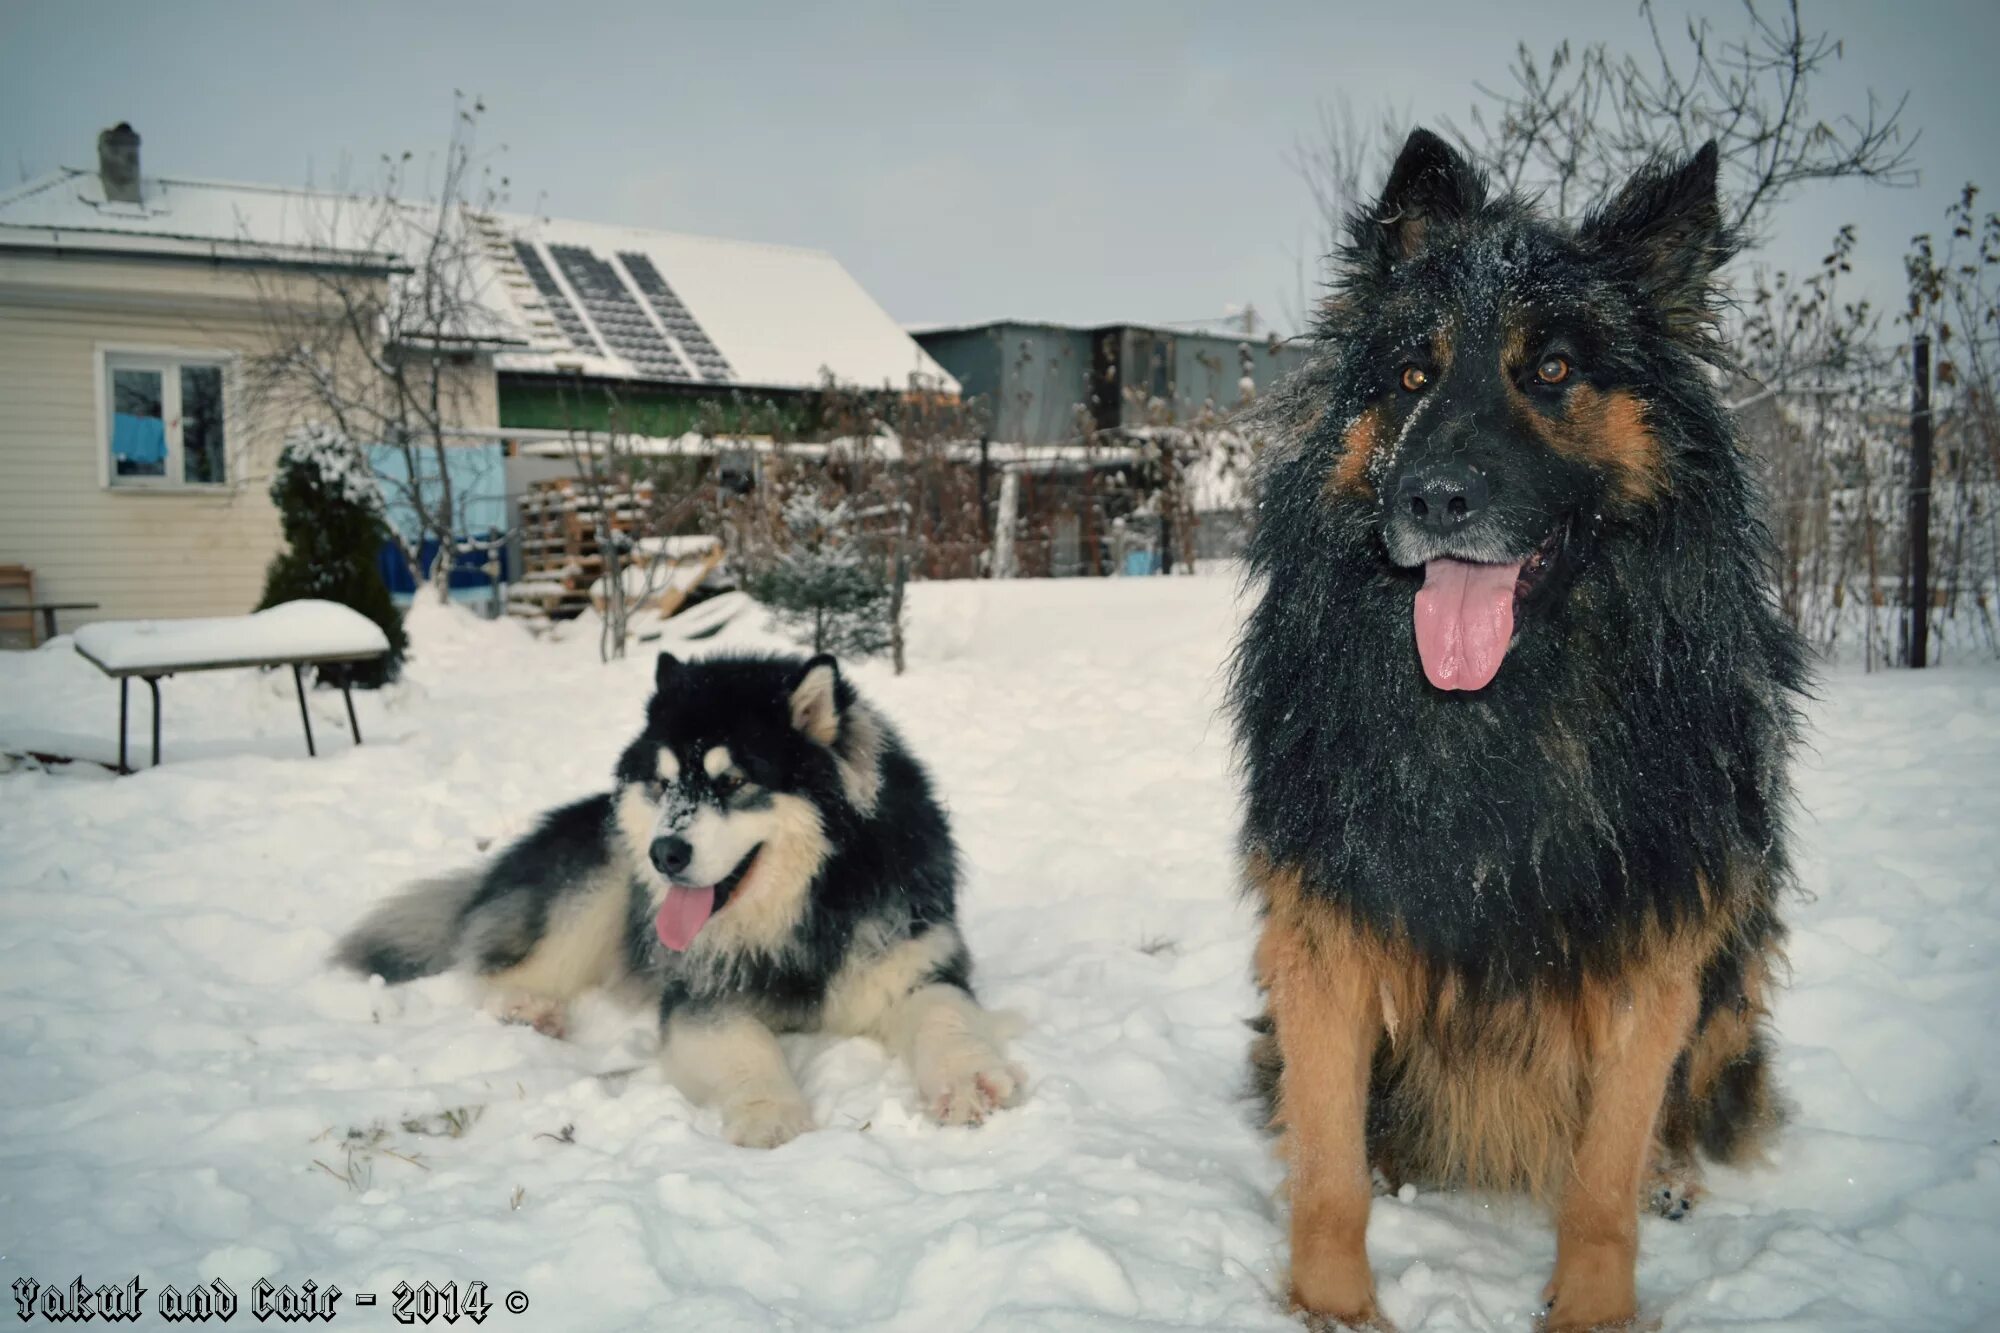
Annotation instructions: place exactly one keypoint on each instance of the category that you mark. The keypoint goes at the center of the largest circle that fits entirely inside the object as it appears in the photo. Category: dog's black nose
(670, 855)
(1442, 496)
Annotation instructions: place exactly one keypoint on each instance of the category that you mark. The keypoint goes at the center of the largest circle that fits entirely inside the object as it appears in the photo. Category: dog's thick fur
(770, 788)
(1517, 935)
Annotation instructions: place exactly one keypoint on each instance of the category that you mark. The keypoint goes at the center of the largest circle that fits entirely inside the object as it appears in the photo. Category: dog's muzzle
(670, 855)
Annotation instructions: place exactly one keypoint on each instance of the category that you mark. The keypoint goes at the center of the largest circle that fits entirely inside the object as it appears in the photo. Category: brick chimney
(118, 163)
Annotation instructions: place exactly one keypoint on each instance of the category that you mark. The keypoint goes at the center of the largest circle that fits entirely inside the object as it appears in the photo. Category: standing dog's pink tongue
(682, 916)
(1465, 617)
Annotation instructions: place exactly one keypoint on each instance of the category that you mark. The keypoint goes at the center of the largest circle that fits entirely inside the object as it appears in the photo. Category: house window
(166, 426)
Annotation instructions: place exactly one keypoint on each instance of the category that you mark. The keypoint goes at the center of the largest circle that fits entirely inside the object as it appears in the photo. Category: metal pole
(299, 683)
(153, 684)
(1920, 502)
(124, 707)
(985, 470)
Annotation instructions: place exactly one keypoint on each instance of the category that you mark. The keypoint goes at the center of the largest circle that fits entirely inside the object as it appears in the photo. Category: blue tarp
(468, 572)
(478, 481)
(141, 441)
(478, 475)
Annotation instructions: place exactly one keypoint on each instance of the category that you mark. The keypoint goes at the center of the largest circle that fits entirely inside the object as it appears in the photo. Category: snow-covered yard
(186, 1092)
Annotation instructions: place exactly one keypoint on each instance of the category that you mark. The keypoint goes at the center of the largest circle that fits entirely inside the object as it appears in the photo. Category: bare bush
(1954, 298)
(379, 322)
(900, 470)
(636, 500)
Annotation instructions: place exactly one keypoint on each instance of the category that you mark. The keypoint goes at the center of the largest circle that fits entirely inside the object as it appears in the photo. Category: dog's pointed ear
(667, 673)
(1431, 182)
(1664, 232)
(816, 699)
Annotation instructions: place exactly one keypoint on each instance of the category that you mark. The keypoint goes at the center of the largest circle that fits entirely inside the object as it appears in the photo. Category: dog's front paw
(1333, 1292)
(967, 1095)
(765, 1122)
(1591, 1290)
(548, 1017)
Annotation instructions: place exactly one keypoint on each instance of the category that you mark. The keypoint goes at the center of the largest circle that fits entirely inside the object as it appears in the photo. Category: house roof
(560, 296)
(727, 312)
(67, 210)
(989, 326)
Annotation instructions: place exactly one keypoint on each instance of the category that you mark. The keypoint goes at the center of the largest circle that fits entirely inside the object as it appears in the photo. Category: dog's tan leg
(1597, 1223)
(955, 1053)
(1325, 1003)
(732, 1062)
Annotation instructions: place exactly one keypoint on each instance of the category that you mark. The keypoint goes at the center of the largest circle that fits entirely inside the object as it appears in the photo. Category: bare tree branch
(1580, 123)
(380, 324)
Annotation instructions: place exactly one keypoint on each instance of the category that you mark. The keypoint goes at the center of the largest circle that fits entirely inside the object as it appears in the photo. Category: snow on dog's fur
(770, 859)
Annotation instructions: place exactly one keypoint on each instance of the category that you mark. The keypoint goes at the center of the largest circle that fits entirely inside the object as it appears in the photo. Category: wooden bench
(297, 634)
(20, 615)
(47, 611)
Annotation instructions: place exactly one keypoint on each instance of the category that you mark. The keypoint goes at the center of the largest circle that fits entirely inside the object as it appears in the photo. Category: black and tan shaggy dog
(1514, 708)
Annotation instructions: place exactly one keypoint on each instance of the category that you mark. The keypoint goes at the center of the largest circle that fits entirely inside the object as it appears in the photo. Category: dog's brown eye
(728, 785)
(1553, 370)
(1414, 378)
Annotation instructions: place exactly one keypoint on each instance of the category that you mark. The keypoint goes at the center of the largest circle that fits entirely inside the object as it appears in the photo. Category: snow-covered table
(296, 634)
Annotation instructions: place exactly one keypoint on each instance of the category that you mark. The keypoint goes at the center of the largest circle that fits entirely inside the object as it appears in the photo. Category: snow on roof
(694, 444)
(304, 629)
(574, 297)
(774, 315)
(68, 210)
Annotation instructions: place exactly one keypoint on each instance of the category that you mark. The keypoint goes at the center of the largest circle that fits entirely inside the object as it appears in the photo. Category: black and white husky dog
(771, 859)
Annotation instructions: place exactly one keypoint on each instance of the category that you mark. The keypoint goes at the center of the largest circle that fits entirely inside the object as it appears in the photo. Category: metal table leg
(348, 694)
(153, 683)
(299, 682)
(124, 708)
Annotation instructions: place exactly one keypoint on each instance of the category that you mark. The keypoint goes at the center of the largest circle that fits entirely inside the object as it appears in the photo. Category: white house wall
(137, 552)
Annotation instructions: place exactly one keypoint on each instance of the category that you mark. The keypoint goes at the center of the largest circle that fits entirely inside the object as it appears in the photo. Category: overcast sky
(1081, 162)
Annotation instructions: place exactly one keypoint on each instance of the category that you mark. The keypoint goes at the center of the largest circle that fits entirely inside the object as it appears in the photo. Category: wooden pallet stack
(663, 573)
(560, 556)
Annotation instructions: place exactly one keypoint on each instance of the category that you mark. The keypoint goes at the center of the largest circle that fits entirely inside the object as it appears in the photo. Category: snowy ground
(187, 1093)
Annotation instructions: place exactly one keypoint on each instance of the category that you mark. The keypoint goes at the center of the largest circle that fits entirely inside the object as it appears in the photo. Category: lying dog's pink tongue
(1464, 619)
(682, 916)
